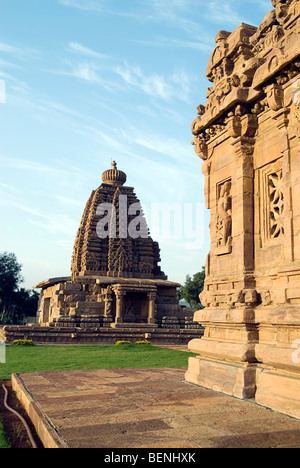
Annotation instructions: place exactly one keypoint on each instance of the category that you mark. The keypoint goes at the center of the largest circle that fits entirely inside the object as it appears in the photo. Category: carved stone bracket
(200, 146)
(275, 97)
(244, 126)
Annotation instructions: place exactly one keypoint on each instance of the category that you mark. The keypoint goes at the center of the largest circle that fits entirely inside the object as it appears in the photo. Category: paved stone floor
(152, 408)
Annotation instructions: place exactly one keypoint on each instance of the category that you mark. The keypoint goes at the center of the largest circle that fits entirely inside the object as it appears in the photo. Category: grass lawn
(45, 358)
(3, 439)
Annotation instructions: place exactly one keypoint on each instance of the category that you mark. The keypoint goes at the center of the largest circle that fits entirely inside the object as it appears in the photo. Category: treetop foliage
(191, 289)
(15, 302)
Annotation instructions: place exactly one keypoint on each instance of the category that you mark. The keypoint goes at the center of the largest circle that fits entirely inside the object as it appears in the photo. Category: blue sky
(91, 81)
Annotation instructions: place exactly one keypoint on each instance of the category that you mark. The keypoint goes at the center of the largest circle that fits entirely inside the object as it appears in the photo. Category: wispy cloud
(199, 44)
(19, 52)
(76, 47)
(156, 85)
(51, 222)
(9, 187)
(87, 72)
(231, 12)
(35, 167)
(85, 5)
(221, 12)
(262, 4)
(156, 142)
(177, 13)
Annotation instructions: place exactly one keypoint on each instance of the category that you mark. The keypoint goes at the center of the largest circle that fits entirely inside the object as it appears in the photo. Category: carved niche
(224, 218)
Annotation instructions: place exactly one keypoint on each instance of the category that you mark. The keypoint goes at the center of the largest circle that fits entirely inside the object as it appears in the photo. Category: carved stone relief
(271, 203)
(224, 218)
(276, 205)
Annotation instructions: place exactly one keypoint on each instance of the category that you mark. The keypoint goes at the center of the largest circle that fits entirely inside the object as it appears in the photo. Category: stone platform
(99, 336)
(145, 408)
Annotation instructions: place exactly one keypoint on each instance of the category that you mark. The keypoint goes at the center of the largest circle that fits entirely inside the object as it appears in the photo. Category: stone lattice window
(276, 200)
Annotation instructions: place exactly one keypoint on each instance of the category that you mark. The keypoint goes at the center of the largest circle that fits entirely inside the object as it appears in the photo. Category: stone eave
(52, 282)
(106, 280)
(237, 96)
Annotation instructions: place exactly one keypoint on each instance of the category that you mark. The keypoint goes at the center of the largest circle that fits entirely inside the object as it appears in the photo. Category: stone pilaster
(227, 350)
(152, 309)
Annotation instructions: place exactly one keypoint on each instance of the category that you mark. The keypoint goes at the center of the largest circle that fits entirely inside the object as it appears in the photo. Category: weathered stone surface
(145, 408)
(247, 135)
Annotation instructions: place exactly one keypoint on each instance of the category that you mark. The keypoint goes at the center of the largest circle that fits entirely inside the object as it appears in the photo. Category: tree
(25, 304)
(10, 278)
(15, 302)
(192, 288)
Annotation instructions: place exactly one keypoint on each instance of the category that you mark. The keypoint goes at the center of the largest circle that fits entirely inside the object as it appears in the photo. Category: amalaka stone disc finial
(113, 176)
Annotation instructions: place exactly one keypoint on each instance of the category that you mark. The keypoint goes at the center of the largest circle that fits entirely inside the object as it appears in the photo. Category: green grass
(21, 359)
(47, 358)
(3, 439)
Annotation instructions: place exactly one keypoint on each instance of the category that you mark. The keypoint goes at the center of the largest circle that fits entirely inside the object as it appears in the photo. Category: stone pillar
(152, 309)
(119, 306)
(243, 202)
(227, 350)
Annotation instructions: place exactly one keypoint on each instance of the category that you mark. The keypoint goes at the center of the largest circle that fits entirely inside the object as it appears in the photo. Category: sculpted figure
(224, 222)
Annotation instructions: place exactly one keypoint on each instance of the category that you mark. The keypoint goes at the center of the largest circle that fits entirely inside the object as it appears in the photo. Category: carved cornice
(244, 65)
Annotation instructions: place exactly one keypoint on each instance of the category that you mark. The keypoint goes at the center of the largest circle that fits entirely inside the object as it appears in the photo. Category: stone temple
(116, 278)
(116, 289)
(247, 135)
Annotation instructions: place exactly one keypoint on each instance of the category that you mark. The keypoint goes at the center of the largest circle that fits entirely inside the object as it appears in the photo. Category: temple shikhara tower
(247, 135)
(116, 282)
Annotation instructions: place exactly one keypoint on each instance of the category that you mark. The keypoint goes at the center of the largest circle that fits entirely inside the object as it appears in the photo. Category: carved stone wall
(247, 135)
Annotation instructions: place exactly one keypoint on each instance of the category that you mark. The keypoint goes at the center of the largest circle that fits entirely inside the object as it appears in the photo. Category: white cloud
(18, 52)
(157, 143)
(177, 85)
(174, 12)
(51, 222)
(227, 13)
(86, 71)
(224, 13)
(154, 85)
(85, 5)
(198, 43)
(78, 48)
(9, 187)
(39, 168)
